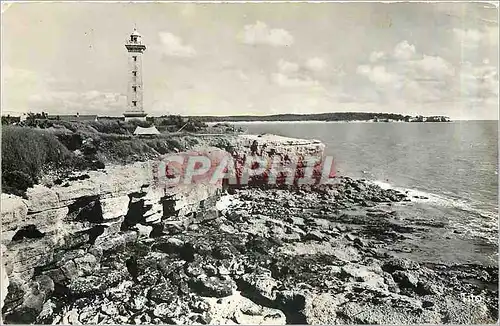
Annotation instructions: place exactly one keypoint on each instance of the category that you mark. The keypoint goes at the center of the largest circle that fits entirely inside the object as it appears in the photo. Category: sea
(452, 165)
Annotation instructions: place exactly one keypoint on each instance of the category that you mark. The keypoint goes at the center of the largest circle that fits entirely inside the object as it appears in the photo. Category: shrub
(109, 127)
(28, 151)
(72, 141)
(16, 182)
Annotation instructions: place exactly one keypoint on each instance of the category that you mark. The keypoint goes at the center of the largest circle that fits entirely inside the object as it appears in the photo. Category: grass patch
(26, 152)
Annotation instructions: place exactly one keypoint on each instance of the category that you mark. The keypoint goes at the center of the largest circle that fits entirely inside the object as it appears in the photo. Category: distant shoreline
(313, 121)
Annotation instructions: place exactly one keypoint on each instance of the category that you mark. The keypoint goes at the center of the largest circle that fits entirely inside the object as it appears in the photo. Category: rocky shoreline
(328, 254)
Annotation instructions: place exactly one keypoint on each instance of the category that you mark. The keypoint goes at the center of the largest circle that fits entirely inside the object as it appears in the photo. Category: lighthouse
(135, 48)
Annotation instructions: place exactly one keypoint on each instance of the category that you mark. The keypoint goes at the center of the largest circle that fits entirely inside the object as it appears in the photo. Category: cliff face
(54, 242)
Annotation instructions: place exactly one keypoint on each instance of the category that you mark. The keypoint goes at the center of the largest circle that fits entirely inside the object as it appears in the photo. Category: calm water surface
(454, 164)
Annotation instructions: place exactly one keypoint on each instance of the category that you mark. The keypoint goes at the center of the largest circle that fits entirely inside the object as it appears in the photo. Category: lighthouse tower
(135, 48)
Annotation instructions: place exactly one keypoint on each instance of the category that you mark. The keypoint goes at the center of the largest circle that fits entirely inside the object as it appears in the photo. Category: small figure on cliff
(132, 268)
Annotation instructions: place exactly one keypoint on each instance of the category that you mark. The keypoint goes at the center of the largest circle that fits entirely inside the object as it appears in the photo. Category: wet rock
(222, 252)
(170, 312)
(259, 286)
(198, 305)
(359, 242)
(95, 283)
(320, 309)
(405, 279)
(109, 309)
(427, 304)
(314, 236)
(194, 269)
(33, 301)
(138, 303)
(395, 264)
(164, 292)
(213, 286)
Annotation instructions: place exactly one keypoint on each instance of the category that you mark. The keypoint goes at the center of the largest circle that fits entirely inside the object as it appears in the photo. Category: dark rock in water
(213, 286)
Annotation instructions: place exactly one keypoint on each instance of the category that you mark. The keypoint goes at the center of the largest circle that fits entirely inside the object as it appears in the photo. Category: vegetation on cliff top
(40, 147)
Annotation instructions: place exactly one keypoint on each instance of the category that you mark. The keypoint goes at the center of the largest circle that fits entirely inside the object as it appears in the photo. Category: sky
(253, 58)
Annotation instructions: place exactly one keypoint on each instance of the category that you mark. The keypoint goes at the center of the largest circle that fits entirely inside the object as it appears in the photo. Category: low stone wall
(55, 239)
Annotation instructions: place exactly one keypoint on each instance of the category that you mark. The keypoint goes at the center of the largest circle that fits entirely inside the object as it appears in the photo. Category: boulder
(36, 294)
(48, 220)
(114, 207)
(14, 210)
(96, 283)
(405, 279)
(314, 236)
(320, 309)
(41, 198)
(260, 285)
(213, 286)
(164, 292)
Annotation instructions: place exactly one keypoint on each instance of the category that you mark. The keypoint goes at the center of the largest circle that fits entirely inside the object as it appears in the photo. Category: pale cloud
(376, 56)
(491, 35)
(244, 77)
(69, 101)
(287, 67)
(404, 51)
(478, 82)
(420, 78)
(315, 64)
(173, 46)
(433, 66)
(260, 33)
(284, 80)
(468, 37)
(377, 74)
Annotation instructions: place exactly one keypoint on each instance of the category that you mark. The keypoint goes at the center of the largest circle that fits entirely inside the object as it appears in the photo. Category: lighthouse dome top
(135, 33)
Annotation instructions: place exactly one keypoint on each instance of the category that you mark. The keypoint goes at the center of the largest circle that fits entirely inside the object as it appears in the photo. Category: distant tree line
(334, 116)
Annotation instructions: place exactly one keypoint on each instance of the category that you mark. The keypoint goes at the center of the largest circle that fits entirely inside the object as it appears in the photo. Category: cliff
(54, 241)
